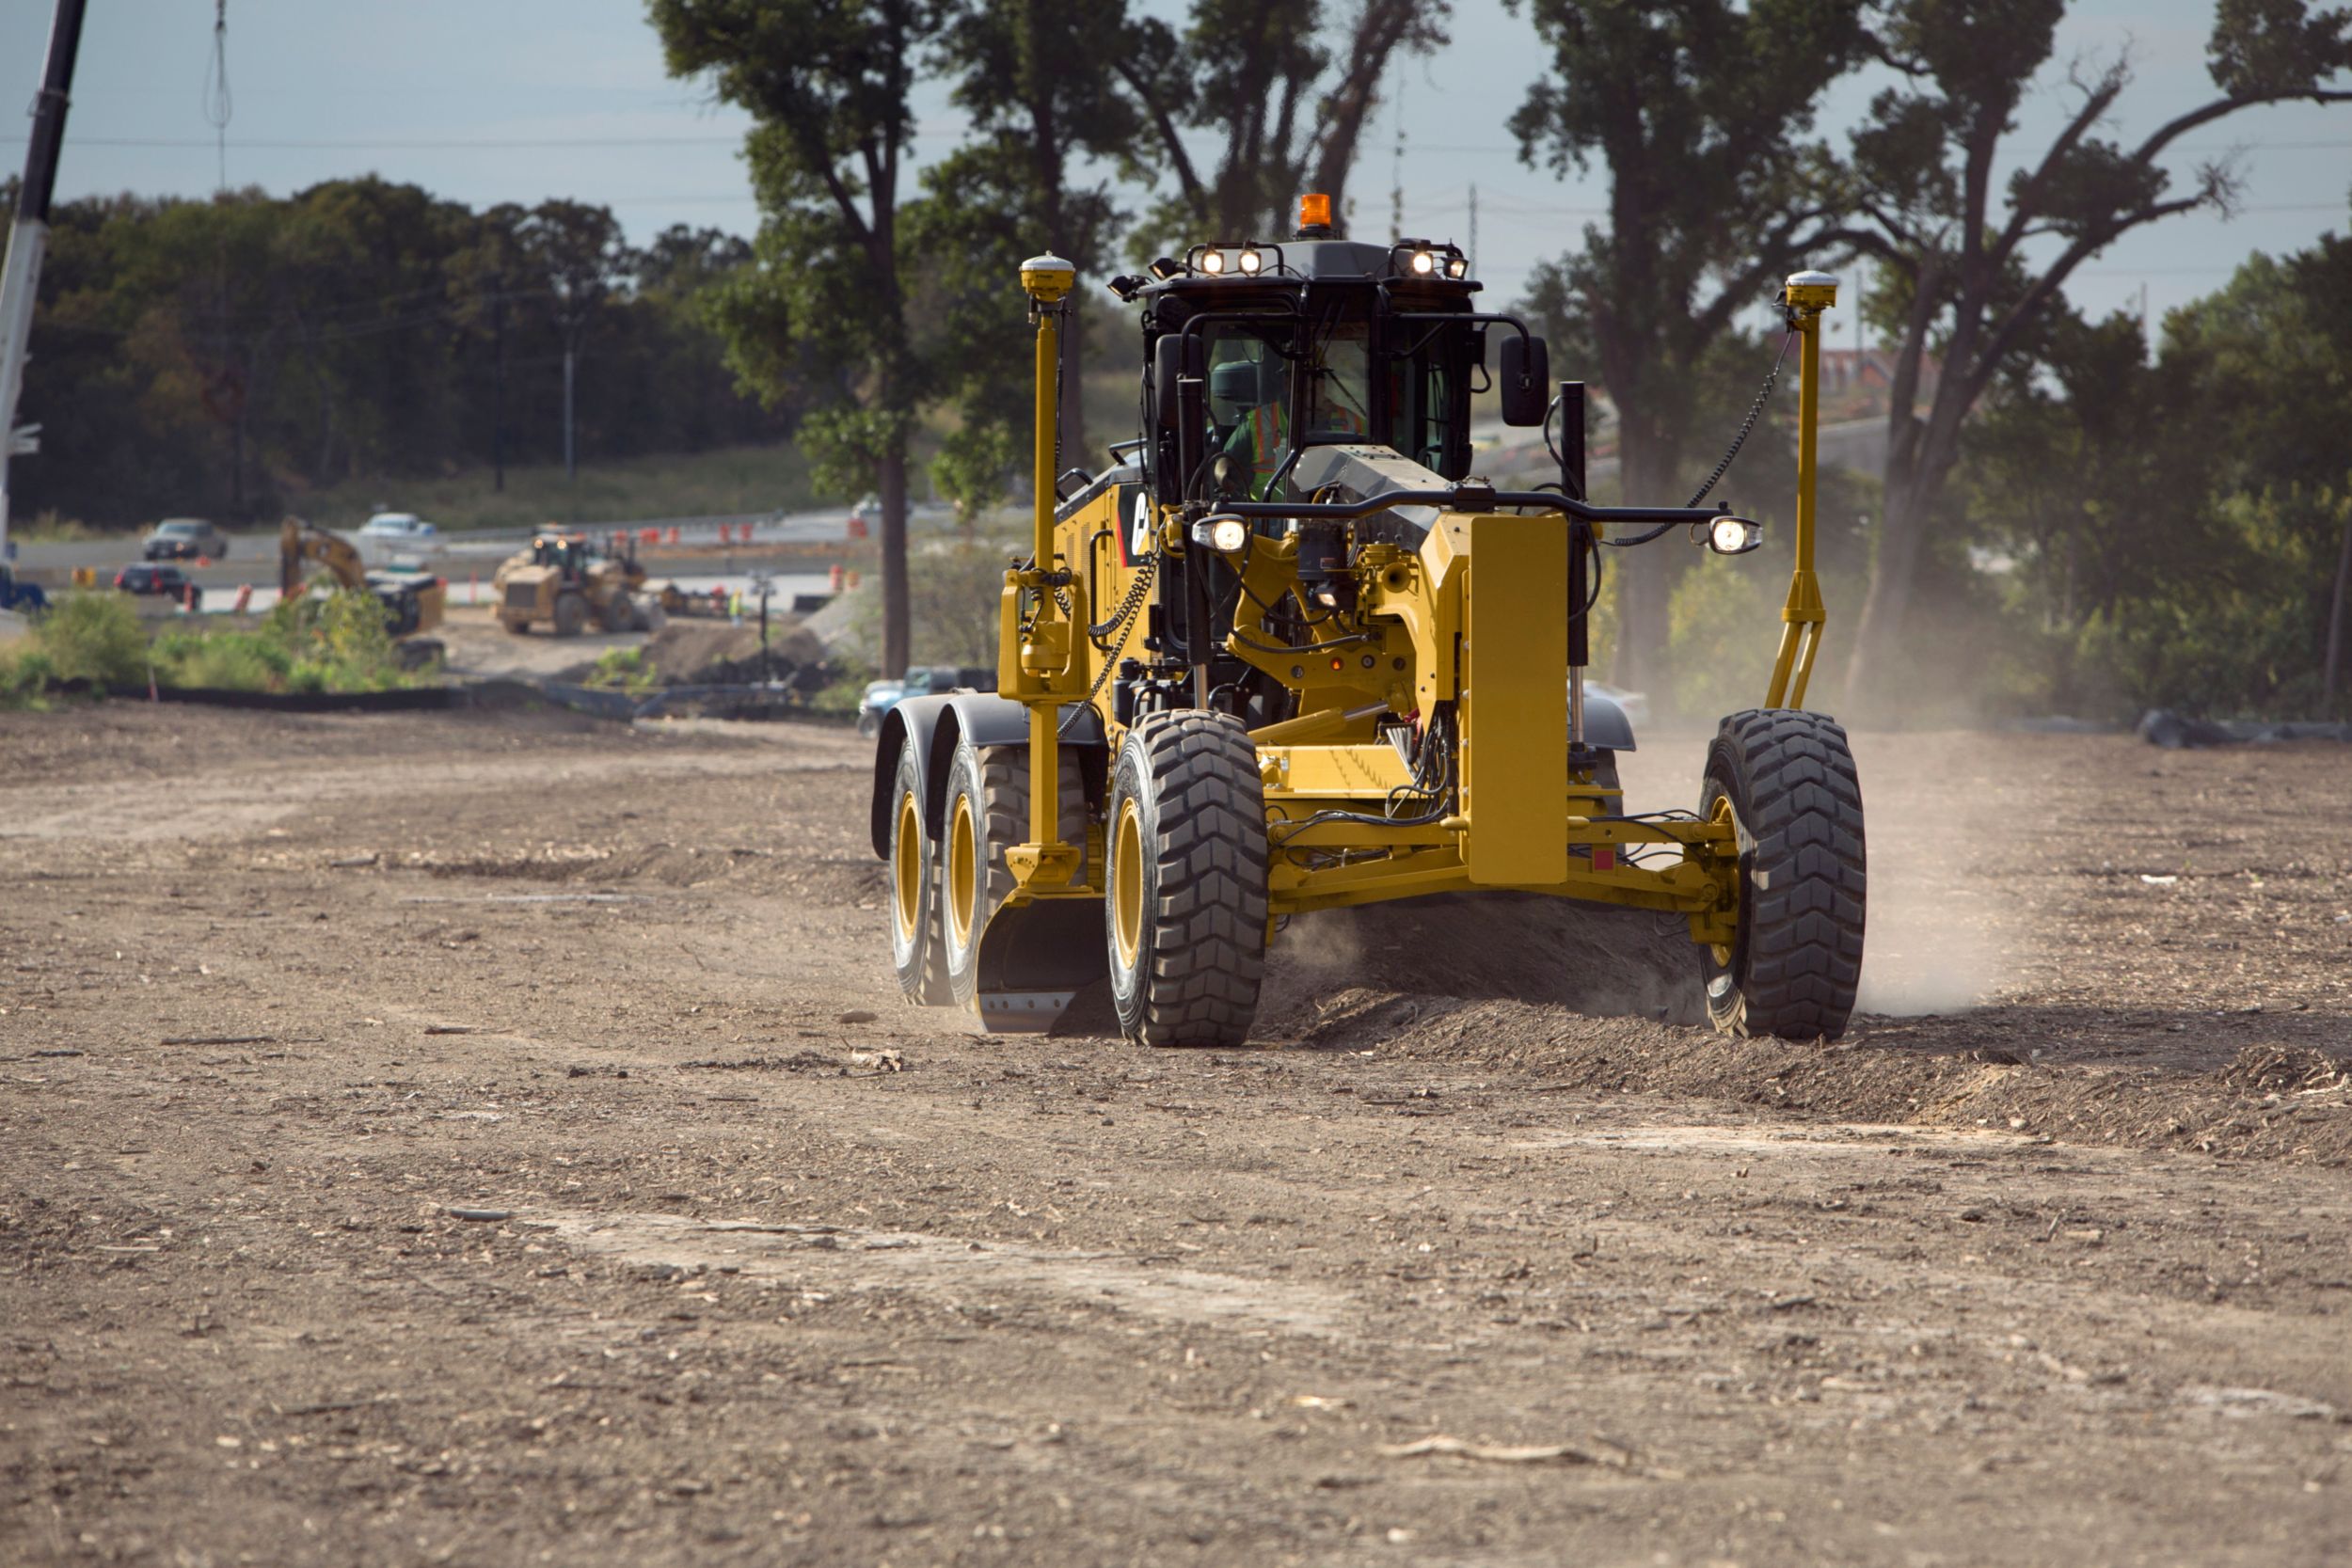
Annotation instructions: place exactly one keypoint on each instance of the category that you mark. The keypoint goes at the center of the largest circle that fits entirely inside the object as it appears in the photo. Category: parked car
(185, 539)
(161, 581)
(923, 679)
(399, 528)
(22, 597)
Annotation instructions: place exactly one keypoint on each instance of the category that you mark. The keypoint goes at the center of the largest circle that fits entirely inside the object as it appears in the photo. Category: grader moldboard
(1287, 654)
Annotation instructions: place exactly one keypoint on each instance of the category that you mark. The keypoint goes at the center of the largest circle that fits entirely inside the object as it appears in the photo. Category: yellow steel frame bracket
(1803, 297)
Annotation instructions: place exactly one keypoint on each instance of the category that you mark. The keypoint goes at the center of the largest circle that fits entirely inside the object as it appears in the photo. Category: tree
(1038, 81)
(1285, 109)
(1697, 110)
(577, 256)
(1979, 269)
(824, 313)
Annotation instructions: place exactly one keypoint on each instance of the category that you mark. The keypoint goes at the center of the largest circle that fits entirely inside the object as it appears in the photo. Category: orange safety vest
(1269, 431)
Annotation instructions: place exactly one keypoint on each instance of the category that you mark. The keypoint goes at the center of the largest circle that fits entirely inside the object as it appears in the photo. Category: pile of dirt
(1340, 975)
(717, 652)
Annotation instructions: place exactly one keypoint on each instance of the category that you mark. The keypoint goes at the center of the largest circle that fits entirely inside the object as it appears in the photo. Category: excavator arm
(414, 605)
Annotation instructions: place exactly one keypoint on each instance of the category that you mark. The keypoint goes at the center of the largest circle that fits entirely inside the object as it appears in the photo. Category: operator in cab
(1252, 395)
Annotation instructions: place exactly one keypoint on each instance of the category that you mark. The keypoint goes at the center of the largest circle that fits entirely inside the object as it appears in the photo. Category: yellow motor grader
(1288, 653)
(560, 580)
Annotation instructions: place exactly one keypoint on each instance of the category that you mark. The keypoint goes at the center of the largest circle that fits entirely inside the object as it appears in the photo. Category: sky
(489, 101)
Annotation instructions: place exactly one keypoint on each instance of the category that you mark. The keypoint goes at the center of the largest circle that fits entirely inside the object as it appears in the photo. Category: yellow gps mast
(1038, 668)
(1803, 298)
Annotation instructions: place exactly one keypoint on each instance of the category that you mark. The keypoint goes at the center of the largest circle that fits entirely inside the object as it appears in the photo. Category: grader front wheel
(1185, 906)
(1786, 780)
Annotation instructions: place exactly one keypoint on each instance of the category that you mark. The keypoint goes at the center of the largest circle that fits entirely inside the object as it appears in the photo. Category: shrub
(622, 670)
(25, 674)
(96, 636)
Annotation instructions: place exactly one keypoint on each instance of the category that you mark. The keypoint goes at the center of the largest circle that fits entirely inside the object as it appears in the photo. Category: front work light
(1212, 261)
(1457, 267)
(1423, 264)
(1223, 535)
(1734, 535)
(1251, 261)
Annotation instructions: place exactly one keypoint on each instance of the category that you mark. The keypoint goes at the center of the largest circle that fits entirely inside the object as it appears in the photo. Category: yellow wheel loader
(413, 601)
(1287, 653)
(560, 582)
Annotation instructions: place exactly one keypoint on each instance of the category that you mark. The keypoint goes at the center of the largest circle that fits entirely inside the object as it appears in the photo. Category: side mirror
(1525, 380)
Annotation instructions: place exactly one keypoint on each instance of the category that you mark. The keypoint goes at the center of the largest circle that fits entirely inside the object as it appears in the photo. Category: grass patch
(623, 670)
(731, 479)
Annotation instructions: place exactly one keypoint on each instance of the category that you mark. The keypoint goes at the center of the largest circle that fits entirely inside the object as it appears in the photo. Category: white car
(399, 528)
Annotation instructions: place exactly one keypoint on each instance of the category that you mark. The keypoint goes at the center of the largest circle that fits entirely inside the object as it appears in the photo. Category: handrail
(1472, 497)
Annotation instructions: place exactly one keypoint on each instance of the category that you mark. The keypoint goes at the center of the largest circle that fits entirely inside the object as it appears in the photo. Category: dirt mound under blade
(1353, 979)
(692, 653)
(1339, 977)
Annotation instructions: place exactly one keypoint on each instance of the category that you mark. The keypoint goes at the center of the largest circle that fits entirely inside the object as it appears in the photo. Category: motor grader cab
(413, 601)
(1288, 653)
(560, 581)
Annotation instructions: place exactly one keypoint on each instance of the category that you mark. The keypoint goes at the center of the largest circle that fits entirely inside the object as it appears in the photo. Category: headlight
(1224, 535)
(1423, 264)
(1251, 261)
(1212, 261)
(1734, 535)
(1457, 267)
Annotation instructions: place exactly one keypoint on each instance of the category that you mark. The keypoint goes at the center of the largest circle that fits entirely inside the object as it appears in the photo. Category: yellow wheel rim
(1127, 883)
(906, 866)
(963, 872)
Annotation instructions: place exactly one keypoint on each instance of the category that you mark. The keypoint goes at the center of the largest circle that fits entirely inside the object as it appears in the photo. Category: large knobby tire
(1785, 779)
(1185, 905)
(988, 812)
(618, 615)
(571, 614)
(916, 952)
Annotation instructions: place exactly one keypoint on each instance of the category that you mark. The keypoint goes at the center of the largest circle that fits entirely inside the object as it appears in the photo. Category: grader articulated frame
(1286, 653)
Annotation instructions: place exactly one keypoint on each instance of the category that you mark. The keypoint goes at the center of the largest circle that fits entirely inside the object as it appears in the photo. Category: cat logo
(1139, 531)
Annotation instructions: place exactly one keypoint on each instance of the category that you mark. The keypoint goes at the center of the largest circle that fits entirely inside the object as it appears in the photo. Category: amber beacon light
(1314, 212)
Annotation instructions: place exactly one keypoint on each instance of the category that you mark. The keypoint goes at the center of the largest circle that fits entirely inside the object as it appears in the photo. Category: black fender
(936, 725)
(1605, 725)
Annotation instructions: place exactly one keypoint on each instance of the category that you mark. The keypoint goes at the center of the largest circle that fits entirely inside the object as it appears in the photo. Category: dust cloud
(1944, 933)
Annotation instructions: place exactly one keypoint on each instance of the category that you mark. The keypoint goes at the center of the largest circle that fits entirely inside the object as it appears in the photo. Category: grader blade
(1034, 958)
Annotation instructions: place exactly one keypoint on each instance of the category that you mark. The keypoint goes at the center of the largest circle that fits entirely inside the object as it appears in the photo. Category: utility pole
(1472, 253)
(29, 240)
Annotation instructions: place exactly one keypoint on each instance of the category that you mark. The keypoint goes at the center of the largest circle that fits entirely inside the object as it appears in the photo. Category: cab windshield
(1277, 384)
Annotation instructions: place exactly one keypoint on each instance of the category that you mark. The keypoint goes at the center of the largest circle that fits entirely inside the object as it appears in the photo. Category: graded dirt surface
(766, 1267)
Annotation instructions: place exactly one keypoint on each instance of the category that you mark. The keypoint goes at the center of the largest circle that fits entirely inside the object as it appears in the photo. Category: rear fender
(936, 724)
(1605, 723)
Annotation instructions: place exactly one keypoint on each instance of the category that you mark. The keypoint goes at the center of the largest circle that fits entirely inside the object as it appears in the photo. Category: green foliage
(334, 642)
(24, 676)
(1701, 112)
(1973, 262)
(351, 333)
(2170, 534)
(623, 670)
(94, 637)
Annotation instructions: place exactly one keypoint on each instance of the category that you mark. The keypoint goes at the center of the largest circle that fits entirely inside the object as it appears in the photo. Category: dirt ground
(496, 1139)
